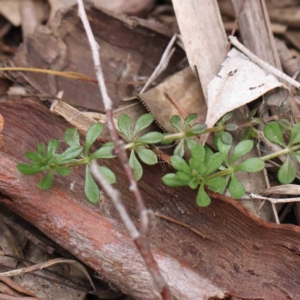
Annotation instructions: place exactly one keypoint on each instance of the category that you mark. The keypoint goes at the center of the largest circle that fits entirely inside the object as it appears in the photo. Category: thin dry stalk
(140, 238)
(267, 67)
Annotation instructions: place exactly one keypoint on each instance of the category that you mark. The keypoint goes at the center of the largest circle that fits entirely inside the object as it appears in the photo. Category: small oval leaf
(136, 166)
(63, 171)
(147, 156)
(176, 122)
(124, 124)
(103, 152)
(286, 173)
(70, 153)
(46, 182)
(202, 198)
(108, 174)
(71, 137)
(52, 147)
(236, 188)
(179, 150)
(295, 135)
(241, 149)
(214, 163)
(253, 164)
(91, 136)
(142, 122)
(179, 164)
(33, 156)
(190, 119)
(196, 129)
(151, 138)
(30, 169)
(172, 180)
(91, 189)
(273, 132)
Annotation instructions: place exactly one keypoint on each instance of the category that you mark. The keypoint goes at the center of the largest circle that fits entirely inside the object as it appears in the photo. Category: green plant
(51, 162)
(204, 169)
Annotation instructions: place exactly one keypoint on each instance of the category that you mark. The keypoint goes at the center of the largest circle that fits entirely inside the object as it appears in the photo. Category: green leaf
(231, 127)
(176, 122)
(124, 124)
(297, 156)
(190, 119)
(147, 156)
(198, 152)
(208, 153)
(91, 136)
(71, 137)
(197, 165)
(226, 138)
(202, 198)
(70, 153)
(226, 118)
(103, 152)
(91, 189)
(107, 174)
(41, 150)
(273, 132)
(183, 176)
(247, 133)
(46, 182)
(136, 166)
(214, 163)
(295, 135)
(166, 142)
(179, 150)
(33, 156)
(108, 144)
(190, 143)
(151, 137)
(142, 122)
(172, 180)
(217, 184)
(253, 164)
(30, 169)
(286, 173)
(236, 188)
(179, 164)
(63, 171)
(52, 147)
(196, 129)
(194, 182)
(241, 149)
(222, 147)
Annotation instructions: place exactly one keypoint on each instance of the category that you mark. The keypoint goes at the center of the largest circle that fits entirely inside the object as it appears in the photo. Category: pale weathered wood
(203, 35)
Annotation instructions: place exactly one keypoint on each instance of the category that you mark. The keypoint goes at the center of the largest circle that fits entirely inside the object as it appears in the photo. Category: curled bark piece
(240, 251)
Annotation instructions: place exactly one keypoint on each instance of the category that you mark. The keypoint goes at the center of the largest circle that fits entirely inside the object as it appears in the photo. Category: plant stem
(281, 152)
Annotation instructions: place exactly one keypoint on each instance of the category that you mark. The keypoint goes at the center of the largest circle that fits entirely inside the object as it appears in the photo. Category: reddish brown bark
(241, 256)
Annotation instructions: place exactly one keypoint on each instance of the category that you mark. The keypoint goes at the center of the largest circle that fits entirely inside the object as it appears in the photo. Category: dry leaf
(12, 10)
(184, 88)
(287, 189)
(239, 82)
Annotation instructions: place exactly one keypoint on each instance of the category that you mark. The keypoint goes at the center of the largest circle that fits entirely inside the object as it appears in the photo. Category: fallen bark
(240, 255)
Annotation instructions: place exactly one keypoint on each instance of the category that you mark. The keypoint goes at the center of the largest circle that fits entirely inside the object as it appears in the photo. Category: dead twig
(49, 264)
(139, 237)
(163, 64)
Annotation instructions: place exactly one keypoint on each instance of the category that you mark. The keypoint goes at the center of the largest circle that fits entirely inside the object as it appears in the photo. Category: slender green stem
(281, 152)
(221, 173)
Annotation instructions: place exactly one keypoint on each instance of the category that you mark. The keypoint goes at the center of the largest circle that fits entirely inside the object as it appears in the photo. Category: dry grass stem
(140, 238)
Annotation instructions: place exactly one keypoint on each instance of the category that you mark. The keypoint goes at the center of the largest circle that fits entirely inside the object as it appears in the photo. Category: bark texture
(241, 255)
